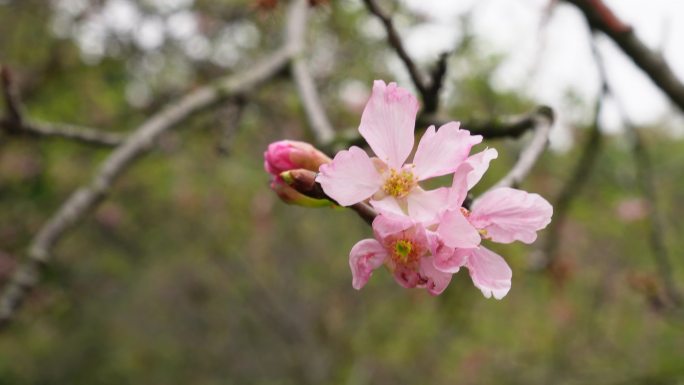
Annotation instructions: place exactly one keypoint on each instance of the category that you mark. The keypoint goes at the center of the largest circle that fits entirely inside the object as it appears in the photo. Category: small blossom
(387, 124)
(403, 246)
(501, 215)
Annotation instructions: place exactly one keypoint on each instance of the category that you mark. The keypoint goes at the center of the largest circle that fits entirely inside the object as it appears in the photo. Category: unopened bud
(287, 155)
(291, 196)
(304, 181)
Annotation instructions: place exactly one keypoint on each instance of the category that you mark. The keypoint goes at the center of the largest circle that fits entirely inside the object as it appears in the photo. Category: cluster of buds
(293, 166)
(422, 236)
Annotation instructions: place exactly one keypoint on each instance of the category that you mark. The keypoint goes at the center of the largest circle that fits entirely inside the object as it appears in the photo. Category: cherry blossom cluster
(422, 236)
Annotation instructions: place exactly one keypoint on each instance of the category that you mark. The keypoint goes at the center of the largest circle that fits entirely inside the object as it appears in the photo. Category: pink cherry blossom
(387, 124)
(501, 215)
(403, 246)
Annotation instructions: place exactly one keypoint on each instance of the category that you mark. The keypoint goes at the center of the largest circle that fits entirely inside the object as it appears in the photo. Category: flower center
(399, 183)
(404, 252)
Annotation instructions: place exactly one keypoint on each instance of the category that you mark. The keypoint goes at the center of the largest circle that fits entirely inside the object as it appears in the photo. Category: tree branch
(507, 127)
(395, 41)
(602, 18)
(16, 123)
(318, 120)
(579, 176)
(65, 131)
(86, 198)
(542, 123)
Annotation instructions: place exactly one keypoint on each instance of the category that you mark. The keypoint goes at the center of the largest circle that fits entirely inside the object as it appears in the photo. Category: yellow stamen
(399, 184)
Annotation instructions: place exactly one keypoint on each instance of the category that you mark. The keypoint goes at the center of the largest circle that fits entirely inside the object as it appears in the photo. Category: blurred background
(191, 271)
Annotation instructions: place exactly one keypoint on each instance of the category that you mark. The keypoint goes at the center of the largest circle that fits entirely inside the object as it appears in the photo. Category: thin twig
(648, 188)
(86, 198)
(507, 127)
(65, 131)
(10, 93)
(528, 158)
(395, 41)
(600, 17)
(17, 123)
(318, 120)
(230, 118)
(580, 173)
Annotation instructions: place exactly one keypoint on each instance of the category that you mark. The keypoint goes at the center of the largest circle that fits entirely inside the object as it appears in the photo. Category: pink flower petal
(441, 152)
(448, 259)
(366, 256)
(456, 232)
(459, 186)
(511, 215)
(387, 205)
(388, 122)
(435, 281)
(386, 225)
(406, 277)
(490, 273)
(426, 206)
(480, 163)
(350, 178)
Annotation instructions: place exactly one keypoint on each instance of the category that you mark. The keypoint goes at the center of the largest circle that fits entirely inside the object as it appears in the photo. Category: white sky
(562, 52)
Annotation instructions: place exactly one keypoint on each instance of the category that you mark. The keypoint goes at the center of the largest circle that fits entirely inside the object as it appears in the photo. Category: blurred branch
(16, 123)
(11, 95)
(647, 185)
(229, 120)
(507, 127)
(395, 41)
(657, 226)
(79, 204)
(580, 173)
(318, 120)
(542, 122)
(427, 88)
(600, 17)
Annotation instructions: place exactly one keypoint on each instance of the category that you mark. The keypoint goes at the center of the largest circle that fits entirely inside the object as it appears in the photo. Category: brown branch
(395, 41)
(601, 18)
(10, 93)
(81, 202)
(508, 127)
(542, 123)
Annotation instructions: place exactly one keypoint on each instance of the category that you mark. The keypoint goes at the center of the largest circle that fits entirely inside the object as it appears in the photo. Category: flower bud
(291, 196)
(287, 155)
(304, 181)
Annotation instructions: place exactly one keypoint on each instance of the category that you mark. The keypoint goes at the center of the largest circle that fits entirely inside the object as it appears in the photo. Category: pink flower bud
(287, 155)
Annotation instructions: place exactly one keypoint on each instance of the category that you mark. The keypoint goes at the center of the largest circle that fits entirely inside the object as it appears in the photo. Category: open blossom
(387, 124)
(501, 215)
(403, 245)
